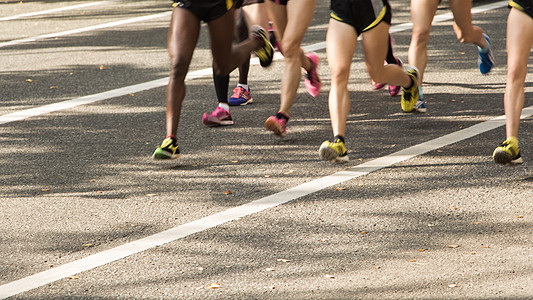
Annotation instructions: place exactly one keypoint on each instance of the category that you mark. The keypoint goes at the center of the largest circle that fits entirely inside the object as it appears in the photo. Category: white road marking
(54, 10)
(32, 112)
(84, 29)
(181, 231)
(114, 254)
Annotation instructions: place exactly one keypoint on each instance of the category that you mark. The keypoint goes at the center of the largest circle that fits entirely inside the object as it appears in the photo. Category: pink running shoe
(312, 82)
(219, 117)
(276, 125)
(376, 86)
(393, 89)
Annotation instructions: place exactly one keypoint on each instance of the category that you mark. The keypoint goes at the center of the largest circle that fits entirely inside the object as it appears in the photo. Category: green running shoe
(167, 150)
(334, 152)
(410, 95)
(508, 152)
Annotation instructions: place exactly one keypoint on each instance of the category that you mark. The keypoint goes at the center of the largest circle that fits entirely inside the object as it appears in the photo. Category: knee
(340, 74)
(516, 71)
(222, 68)
(178, 68)
(291, 50)
(421, 36)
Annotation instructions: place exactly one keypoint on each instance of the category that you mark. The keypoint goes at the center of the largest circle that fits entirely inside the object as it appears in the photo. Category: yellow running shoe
(508, 152)
(410, 95)
(266, 52)
(334, 152)
(167, 150)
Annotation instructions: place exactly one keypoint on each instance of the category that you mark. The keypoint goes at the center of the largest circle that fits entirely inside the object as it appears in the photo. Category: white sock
(485, 49)
(244, 86)
(224, 106)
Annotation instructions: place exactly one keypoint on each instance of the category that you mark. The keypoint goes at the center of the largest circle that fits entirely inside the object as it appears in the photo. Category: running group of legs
(348, 19)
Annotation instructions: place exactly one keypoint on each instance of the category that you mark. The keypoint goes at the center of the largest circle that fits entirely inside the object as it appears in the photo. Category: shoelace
(238, 92)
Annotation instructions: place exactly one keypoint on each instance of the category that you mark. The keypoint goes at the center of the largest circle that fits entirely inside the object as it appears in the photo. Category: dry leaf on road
(214, 285)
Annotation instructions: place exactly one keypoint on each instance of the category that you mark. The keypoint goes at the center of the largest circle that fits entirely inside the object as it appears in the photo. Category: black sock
(282, 116)
(338, 137)
(221, 87)
(390, 57)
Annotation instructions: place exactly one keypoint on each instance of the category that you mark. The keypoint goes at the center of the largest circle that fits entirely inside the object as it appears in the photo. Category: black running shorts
(206, 10)
(523, 5)
(241, 3)
(362, 15)
(282, 2)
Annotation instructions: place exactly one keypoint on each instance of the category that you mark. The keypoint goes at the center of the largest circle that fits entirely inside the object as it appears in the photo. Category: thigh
(376, 45)
(422, 13)
(278, 13)
(462, 15)
(257, 14)
(519, 38)
(221, 36)
(341, 42)
(182, 35)
(299, 16)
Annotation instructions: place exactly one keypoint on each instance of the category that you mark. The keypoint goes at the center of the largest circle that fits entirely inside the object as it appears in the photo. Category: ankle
(281, 115)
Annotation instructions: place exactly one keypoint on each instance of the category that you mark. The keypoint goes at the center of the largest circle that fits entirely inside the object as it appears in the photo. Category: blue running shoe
(485, 60)
(240, 96)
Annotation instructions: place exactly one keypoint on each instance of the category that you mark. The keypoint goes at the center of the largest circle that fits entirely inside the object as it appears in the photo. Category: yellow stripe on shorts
(378, 19)
(334, 16)
(515, 5)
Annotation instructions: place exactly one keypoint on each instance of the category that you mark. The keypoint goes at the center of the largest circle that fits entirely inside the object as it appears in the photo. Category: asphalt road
(409, 217)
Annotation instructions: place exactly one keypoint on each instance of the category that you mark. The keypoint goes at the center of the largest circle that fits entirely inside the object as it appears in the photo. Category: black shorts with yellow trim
(362, 15)
(206, 10)
(523, 5)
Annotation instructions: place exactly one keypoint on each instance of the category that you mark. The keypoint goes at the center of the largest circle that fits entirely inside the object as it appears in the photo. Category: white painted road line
(54, 10)
(84, 29)
(32, 112)
(181, 231)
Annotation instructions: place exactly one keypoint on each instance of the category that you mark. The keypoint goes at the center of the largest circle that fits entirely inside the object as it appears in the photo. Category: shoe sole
(504, 158)
(275, 128)
(163, 156)
(328, 154)
(236, 103)
(406, 105)
(214, 122)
